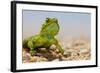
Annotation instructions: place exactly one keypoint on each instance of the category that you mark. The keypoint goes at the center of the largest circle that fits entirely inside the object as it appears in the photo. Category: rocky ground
(76, 49)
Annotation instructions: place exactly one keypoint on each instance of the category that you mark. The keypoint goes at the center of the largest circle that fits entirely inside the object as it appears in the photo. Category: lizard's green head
(50, 27)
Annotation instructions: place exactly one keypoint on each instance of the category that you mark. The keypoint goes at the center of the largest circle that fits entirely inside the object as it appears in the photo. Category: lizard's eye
(47, 20)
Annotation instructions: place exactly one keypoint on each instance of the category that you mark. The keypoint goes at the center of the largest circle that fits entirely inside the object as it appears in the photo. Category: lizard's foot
(32, 52)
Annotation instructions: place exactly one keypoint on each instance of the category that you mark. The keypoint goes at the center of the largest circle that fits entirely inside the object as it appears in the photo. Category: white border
(21, 65)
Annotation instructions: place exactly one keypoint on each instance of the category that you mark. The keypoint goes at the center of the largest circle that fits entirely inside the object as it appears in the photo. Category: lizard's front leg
(32, 51)
(32, 48)
(59, 47)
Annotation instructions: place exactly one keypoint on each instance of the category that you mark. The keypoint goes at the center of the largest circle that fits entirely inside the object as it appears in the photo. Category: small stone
(42, 59)
(52, 47)
(55, 60)
(57, 50)
(67, 54)
(26, 57)
(42, 49)
(34, 59)
(84, 50)
(53, 53)
(38, 54)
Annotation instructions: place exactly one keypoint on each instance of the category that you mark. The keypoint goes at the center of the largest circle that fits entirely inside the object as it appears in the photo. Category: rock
(42, 59)
(57, 51)
(55, 60)
(34, 59)
(52, 47)
(84, 50)
(38, 59)
(42, 49)
(67, 54)
(26, 57)
(38, 54)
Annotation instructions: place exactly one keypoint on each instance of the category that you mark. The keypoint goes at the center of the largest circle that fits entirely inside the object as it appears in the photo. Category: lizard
(45, 38)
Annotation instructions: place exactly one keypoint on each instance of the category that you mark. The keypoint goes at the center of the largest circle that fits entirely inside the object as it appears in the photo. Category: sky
(72, 24)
